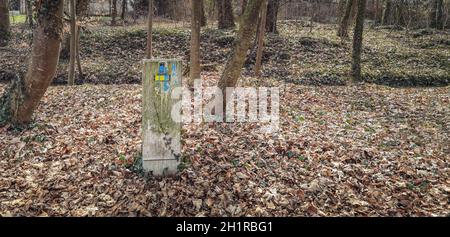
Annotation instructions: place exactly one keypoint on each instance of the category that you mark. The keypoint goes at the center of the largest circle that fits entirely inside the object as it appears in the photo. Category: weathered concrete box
(161, 148)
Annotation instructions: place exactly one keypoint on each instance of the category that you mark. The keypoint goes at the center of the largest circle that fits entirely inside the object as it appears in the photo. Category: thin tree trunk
(149, 52)
(20, 101)
(5, 25)
(358, 41)
(345, 20)
(80, 69)
(247, 30)
(124, 10)
(73, 39)
(262, 31)
(195, 41)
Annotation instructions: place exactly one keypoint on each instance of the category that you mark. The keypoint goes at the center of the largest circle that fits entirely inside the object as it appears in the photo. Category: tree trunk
(262, 31)
(113, 12)
(345, 20)
(387, 13)
(73, 38)
(5, 25)
(247, 30)
(358, 40)
(195, 41)
(80, 69)
(226, 18)
(20, 101)
(124, 9)
(149, 52)
(272, 16)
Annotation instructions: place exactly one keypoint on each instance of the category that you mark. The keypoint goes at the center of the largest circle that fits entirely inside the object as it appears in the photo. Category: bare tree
(22, 98)
(358, 40)
(195, 40)
(247, 30)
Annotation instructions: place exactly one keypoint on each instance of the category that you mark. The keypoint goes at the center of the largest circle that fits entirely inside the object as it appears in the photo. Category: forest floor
(341, 151)
(367, 150)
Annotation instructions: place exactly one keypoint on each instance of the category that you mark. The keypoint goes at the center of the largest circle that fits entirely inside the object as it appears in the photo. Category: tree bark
(22, 98)
(149, 52)
(247, 30)
(226, 18)
(262, 31)
(345, 20)
(195, 41)
(358, 40)
(272, 16)
(5, 25)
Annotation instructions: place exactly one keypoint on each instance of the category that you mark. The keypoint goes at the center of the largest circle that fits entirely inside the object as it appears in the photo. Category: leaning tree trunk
(4, 23)
(357, 41)
(261, 33)
(195, 41)
(225, 16)
(20, 101)
(272, 16)
(345, 19)
(247, 31)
